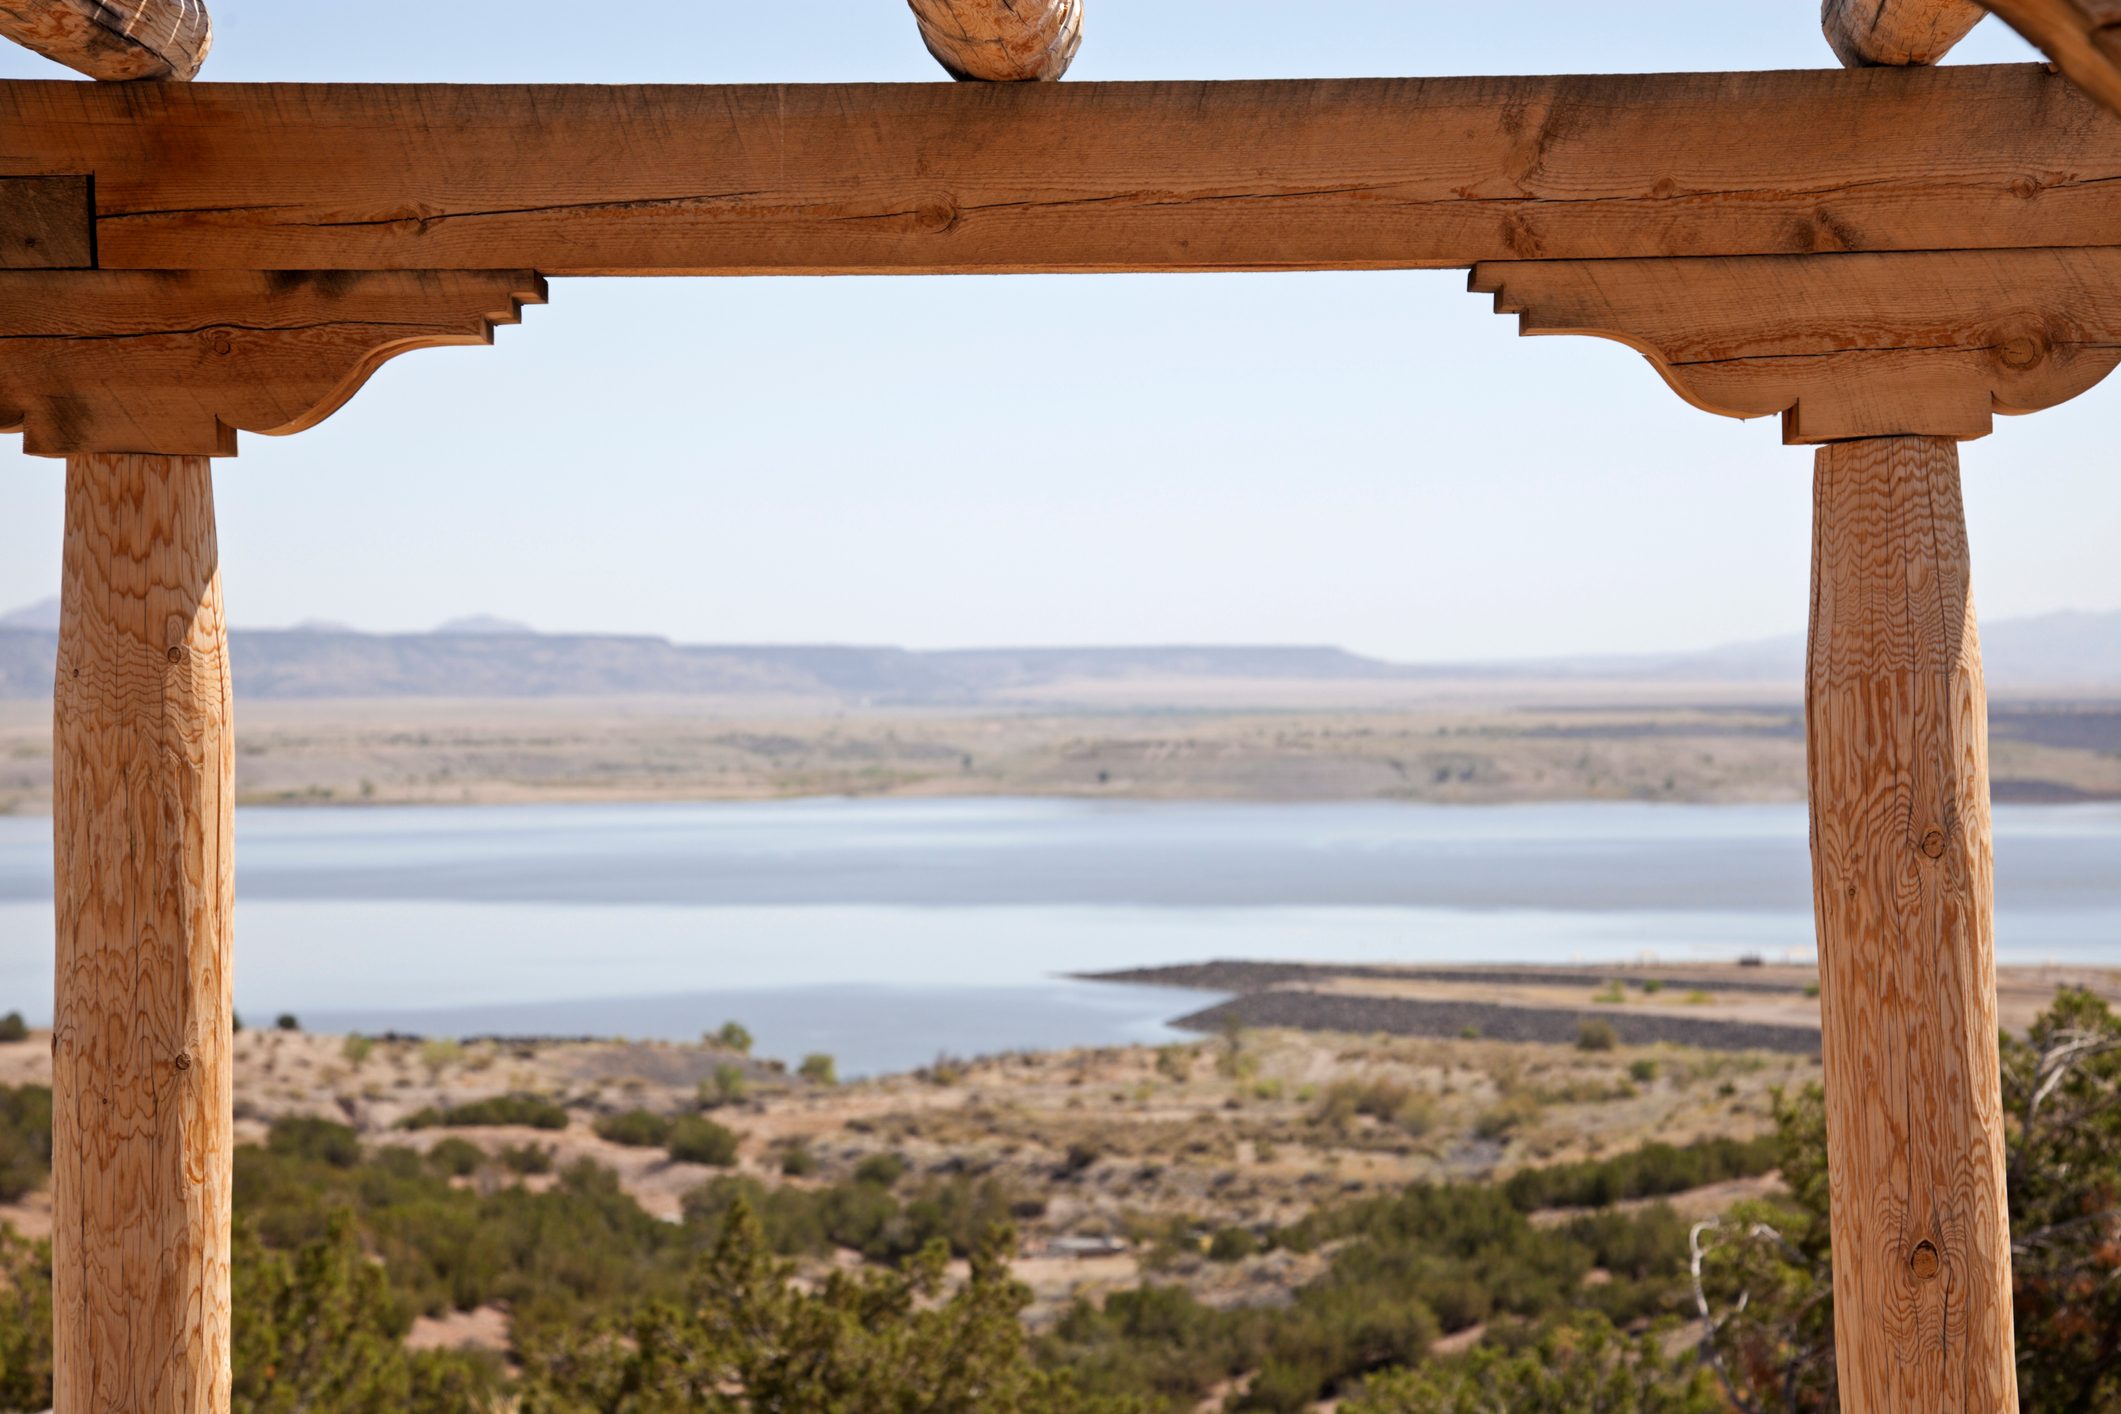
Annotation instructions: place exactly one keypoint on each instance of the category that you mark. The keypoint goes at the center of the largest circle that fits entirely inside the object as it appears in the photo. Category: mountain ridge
(484, 657)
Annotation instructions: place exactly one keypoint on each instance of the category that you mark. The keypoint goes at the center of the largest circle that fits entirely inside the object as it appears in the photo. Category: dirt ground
(442, 751)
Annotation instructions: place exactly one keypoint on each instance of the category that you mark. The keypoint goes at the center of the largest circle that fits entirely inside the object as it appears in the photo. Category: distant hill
(2059, 654)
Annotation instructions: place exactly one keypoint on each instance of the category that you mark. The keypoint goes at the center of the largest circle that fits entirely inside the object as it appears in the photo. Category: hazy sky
(1366, 459)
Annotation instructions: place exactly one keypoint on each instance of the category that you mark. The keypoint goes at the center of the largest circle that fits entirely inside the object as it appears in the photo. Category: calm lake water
(889, 931)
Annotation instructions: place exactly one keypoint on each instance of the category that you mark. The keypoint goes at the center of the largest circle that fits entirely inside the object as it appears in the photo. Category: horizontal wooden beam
(46, 223)
(1001, 41)
(114, 39)
(2083, 37)
(949, 178)
(1865, 32)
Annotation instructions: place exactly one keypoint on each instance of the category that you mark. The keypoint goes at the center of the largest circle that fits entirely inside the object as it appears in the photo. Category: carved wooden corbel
(1844, 346)
(177, 362)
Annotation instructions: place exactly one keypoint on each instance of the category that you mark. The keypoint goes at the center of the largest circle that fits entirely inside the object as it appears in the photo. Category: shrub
(797, 1161)
(1594, 1035)
(1384, 1100)
(286, 1022)
(459, 1158)
(637, 1129)
(883, 1170)
(1651, 1171)
(13, 1027)
(732, 1037)
(25, 1139)
(356, 1049)
(300, 1137)
(1611, 994)
(1233, 1244)
(525, 1158)
(819, 1069)
(694, 1140)
(532, 1111)
(1642, 1071)
(726, 1088)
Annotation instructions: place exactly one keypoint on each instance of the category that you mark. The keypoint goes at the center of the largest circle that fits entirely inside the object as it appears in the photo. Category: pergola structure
(1885, 256)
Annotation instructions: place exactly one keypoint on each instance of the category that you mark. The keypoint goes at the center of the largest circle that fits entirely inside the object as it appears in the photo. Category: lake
(889, 931)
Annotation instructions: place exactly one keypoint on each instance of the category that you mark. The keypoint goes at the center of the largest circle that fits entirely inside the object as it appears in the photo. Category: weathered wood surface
(178, 362)
(1903, 888)
(46, 223)
(1001, 41)
(1895, 32)
(142, 821)
(1339, 174)
(1844, 346)
(114, 39)
(2083, 37)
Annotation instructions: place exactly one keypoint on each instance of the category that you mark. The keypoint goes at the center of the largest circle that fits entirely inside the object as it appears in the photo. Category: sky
(1368, 459)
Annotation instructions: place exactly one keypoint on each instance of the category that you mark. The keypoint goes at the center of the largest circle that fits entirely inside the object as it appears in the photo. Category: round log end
(1001, 41)
(1896, 33)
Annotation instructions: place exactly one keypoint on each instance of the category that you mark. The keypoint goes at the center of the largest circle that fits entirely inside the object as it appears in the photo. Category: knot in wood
(2021, 350)
(176, 653)
(1923, 1261)
(183, 1061)
(221, 344)
(936, 217)
(1933, 844)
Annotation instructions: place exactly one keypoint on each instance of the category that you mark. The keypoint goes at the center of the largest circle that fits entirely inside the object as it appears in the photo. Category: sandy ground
(558, 750)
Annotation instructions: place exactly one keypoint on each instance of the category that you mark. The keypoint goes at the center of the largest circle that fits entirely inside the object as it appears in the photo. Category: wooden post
(142, 816)
(1902, 884)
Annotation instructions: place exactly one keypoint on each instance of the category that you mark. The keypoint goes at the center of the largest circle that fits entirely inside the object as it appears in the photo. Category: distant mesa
(484, 624)
(2062, 657)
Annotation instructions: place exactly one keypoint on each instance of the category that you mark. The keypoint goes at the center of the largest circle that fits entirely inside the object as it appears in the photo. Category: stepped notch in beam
(1896, 32)
(1843, 346)
(114, 39)
(1001, 41)
(177, 362)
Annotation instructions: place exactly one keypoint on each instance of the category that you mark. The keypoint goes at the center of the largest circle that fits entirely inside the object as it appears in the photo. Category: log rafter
(1896, 32)
(2082, 37)
(114, 39)
(1001, 41)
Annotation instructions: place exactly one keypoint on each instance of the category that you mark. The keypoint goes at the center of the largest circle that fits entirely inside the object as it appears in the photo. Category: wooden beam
(46, 223)
(114, 39)
(143, 1138)
(963, 178)
(1896, 32)
(180, 361)
(1001, 41)
(2082, 37)
(1903, 889)
(1930, 343)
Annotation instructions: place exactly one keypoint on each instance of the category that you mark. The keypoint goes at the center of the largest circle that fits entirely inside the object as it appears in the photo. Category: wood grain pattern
(2082, 37)
(1903, 888)
(114, 39)
(941, 178)
(179, 362)
(46, 223)
(1001, 41)
(1844, 346)
(1864, 32)
(142, 822)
